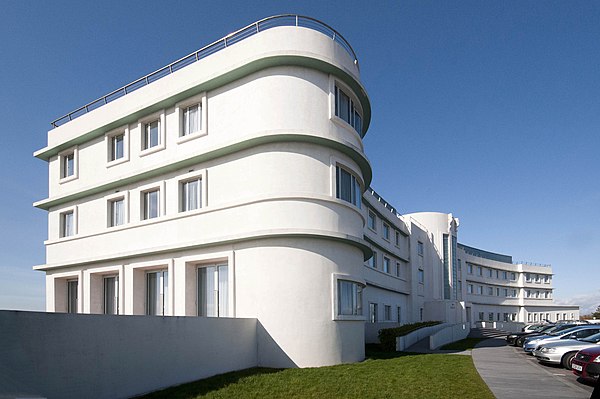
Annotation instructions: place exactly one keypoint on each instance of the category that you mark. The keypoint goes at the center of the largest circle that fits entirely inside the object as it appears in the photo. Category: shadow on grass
(203, 387)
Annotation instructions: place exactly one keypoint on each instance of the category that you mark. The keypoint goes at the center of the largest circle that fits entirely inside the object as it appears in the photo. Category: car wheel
(566, 360)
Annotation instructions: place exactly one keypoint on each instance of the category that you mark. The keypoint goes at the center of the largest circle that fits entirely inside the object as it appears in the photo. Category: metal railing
(232, 38)
(532, 264)
(385, 204)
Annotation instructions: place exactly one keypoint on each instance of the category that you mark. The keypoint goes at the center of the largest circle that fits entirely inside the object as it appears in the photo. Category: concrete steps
(487, 333)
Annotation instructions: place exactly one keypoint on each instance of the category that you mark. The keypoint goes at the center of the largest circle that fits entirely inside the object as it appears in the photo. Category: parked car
(586, 363)
(531, 327)
(558, 327)
(563, 351)
(511, 339)
(581, 331)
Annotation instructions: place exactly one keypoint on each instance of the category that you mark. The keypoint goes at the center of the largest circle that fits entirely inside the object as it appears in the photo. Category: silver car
(562, 351)
(581, 331)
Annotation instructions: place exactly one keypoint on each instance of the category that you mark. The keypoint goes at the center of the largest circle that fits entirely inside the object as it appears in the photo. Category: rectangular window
(373, 313)
(387, 313)
(479, 271)
(397, 238)
(68, 165)
(72, 296)
(386, 231)
(117, 212)
(399, 314)
(386, 264)
(191, 195)
(372, 221)
(490, 291)
(505, 275)
(151, 135)
(514, 293)
(479, 290)
(67, 224)
(505, 292)
(420, 249)
(469, 268)
(347, 186)
(192, 120)
(469, 288)
(491, 316)
(150, 204)
(157, 289)
(213, 291)
(117, 147)
(481, 316)
(421, 275)
(111, 295)
(349, 298)
(398, 269)
(373, 260)
(345, 110)
(490, 273)
(528, 277)
(513, 276)
(497, 291)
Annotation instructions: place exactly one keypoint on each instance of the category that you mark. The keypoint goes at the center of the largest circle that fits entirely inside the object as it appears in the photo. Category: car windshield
(594, 339)
(548, 327)
(564, 331)
(560, 329)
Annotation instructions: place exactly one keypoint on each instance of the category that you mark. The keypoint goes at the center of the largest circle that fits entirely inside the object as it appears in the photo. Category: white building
(230, 184)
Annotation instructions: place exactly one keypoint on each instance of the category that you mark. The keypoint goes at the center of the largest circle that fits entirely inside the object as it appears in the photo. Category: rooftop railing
(230, 39)
(532, 264)
(385, 204)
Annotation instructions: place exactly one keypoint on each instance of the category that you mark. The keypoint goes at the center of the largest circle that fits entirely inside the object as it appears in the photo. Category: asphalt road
(511, 373)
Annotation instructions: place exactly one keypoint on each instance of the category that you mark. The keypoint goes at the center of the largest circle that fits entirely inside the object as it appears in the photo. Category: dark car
(586, 363)
(511, 339)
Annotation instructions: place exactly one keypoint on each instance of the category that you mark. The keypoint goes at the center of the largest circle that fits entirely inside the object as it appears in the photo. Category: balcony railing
(230, 39)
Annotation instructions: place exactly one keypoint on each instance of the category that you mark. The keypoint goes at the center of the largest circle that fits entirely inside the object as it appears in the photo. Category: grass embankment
(466, 344)
(381, 375)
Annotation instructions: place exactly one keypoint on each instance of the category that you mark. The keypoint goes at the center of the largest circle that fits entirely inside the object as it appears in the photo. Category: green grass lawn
(463, 345)
(402, 375)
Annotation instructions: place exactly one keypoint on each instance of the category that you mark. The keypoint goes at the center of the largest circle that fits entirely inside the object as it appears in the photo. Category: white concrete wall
(90, 356)
(451, 333)
(413, 337)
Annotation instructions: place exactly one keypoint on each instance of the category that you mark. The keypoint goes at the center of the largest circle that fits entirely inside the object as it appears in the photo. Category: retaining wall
(451, 333)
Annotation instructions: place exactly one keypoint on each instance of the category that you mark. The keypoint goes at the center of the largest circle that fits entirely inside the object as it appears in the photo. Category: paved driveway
(510, 373)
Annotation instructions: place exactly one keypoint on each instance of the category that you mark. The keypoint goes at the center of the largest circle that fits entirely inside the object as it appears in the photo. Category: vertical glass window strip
(213, 291)
(117, 147)
(192, 119)
(387, 313)
(347, 188)
(111, 295)
(151, 204)
(68, 165)
(345, 110)
(151, 136)
(72, 296)
(67, 224)
(399, 314)
(373, 313)
(191, 195)
(117, 212)
(446, 253)
(157, 293)
(386, 231)
(386, 265)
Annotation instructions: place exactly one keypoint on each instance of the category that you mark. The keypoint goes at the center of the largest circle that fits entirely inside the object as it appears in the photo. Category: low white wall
(56, 355)
(412, 338)
(451, 333)
(372, 331)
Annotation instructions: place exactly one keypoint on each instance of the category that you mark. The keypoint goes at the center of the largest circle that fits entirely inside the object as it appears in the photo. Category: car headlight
(547, 350)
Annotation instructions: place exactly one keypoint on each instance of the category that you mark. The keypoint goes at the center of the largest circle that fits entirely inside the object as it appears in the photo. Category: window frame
(336, 297)
(385, 231)
(108, 139)
(356, 184)
(227, 307)
(385, 267)
(420, 248)
(62, 220)
(110, 199)
(159, 117)
(160, 186)
(62, 156)
(354, 107)
(180, 109)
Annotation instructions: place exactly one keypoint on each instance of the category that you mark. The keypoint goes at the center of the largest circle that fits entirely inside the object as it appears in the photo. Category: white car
(563, 351)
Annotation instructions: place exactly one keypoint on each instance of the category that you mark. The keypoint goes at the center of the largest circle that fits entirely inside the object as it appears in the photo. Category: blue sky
(488, 110)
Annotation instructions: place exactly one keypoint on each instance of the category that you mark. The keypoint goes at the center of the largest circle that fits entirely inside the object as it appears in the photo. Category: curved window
(347, 186)
(349, 298)
(345, 110)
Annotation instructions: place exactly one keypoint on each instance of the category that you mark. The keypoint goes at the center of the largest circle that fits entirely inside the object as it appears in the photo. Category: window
(345, 110)
(347, 186)
(469, 288)
(111, 295)
(67, 224)
(398, 269)
(116, 210)
(387, 313)
(479, 271)
(349, 298)
(497, 291)
(505, 292)
(513, 276)
(506, 317)
(373, 260)
(213, 291)
(397, 238)
(68, 165)
(514, 293)
(72, 296)
(372, 220)
(373, 313)
(497, 273)
(386, 264)
(490, 272)
(479, 290)
(399, 314)
(546, 279)
(490, 290)
(157, 289)
(151, 203)
(151, 134)
(480, 316)
(421, 274)
(117, 147)
(192, 120)
(528, 277)
(469, 268)
(386, 231)
(491, 316)
(420, 249)
(191, 195)
(505, 275)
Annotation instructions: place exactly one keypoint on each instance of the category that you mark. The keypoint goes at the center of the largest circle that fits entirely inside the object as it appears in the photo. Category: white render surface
(92, 356)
